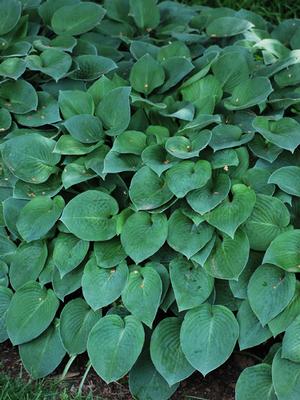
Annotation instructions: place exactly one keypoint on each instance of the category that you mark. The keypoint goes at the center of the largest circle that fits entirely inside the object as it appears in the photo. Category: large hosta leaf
(18, 97)
(69, 252)
(228, 257)
(10, 12)
(114, 110)
(172, 365)
(284, 133)
(27, 263)
(256, 382)
(228, 26)
(145, 13)
(269, 291)
(287, 178)
(284, 251)
(249, 93)
(207, 198)
(77, 19)
(187, 176)
(185, 236)
(229, 215)
(38, 216)
(89, 216)
(76, 322)
(102, 286)
(202, 337)
(142, 294)
(146, 75)
(109, 253)
(191, 285)
(5, 299)
(144, 234)
(148, 191)
(146, 383)
(291, 342)
(269, 218)
(286, 378)
(31, 311)
(252, 333)
(108, 345)
(30, 157)
(42, 355)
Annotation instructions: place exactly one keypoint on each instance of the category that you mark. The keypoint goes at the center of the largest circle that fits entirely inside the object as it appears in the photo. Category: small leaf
(146, 75)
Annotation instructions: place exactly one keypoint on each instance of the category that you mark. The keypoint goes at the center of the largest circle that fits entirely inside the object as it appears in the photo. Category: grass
(272, 10)
(18, 389)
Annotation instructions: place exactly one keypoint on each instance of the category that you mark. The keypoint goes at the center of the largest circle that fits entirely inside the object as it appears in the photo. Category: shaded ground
(218, 385)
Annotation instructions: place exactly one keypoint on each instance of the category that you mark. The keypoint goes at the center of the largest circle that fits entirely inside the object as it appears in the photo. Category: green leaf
(109, 253)
(202, 336)
(185, 237)
(158, 159)
(284, 133)
(18, 97)
(91, 67)
(231, 74)
(47, 112)
(228, 257)
(27, 263)
(31, 311)
(12, 67)
(225, 136)
(77, 19)
(69, 252)
(183, 147)
(42, 355)
(132, 142)
(191, 285)
(30, 157)
(143, 235)
(51, 62)
(287, 179)
(74, 102)
(38, 216)
(270, 217)
(146, 75)
(90, 216)
(114, 110)
(102, 286)
(280, 323)
(5, 299)
(145, 13)
(284, 251)
(142, 294)
(291, 342)
(187, 176)
(252, 333)
(285, 377)
(172, 365)
(76, 322)
(213, 193)
(85, 128)
(148, 191)
(249, 93)
(255, 382)
(145, 383)
(108, 345)
(68, 284)
(228, 26)
(10, 12)
(269, 291)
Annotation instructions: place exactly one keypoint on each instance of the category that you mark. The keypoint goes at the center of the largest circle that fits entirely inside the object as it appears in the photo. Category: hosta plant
(150, 184)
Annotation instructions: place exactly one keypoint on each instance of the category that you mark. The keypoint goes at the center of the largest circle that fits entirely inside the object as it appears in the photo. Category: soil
(218, 385)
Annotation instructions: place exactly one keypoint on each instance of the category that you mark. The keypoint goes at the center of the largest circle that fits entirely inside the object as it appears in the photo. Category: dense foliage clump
(150, 184)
